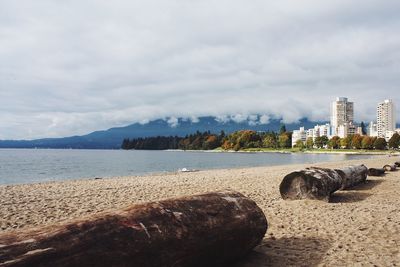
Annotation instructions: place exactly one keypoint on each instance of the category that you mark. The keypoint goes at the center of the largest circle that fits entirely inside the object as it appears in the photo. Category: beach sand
(360, 227)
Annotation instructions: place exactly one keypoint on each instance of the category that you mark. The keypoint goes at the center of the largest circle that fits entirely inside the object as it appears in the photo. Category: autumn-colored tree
(345, 142)
(227, 145)
(367, 142)
(334, 142)
(356, 141)
(211, 142)
(284, 140)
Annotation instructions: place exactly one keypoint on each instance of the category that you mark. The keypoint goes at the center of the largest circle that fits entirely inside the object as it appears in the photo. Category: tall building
(372, 129)
(386, 119)
(342, 113)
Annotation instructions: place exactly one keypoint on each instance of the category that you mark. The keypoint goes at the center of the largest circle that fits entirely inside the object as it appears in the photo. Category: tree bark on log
(376, 171)
(390, 167)
(320, 183)
(212, 229)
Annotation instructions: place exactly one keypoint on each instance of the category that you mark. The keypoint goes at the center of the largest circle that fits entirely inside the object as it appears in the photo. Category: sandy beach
(360, 227)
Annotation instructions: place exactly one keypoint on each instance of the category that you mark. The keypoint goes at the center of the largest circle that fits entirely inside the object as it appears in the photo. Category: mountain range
(112, 138)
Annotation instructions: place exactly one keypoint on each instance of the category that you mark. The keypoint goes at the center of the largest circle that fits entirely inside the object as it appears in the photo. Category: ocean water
(39, 165)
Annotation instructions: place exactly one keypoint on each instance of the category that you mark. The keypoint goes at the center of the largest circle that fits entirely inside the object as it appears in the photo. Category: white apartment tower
(342, 113)
(386, 120)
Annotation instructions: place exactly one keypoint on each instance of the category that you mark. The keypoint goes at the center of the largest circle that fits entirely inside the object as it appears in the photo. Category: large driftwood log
(320, 183)
(203, 230)
(376, 171)
(390, 167)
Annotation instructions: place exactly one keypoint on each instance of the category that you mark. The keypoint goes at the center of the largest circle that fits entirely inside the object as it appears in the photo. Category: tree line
(196, 141)
(355, 141)
(247, 139)
(207, 141)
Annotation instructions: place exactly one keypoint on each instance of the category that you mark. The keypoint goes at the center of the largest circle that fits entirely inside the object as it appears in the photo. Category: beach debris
(211, 229)
(397, 163)
(376, 171)
(320, 183)
(188, 170)
(390, 167)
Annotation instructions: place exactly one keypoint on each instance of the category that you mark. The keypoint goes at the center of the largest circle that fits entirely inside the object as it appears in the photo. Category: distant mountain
(112, 138)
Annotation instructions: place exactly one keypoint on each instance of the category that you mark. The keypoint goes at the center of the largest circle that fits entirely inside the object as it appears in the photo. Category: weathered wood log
(353, 175)
(390, 167)
(376, 171)
(203, 230)
(320, 183)
(397, 163)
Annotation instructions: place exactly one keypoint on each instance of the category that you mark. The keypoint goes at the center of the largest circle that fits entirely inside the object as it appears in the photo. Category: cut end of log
(320, 183)
(297, 185)
(390, 167)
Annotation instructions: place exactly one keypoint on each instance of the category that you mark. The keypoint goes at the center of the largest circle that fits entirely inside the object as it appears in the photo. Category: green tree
(249, 139)
(236, 147)
(367, 142)
(269, 141)
(363, 128)
(334, 142)
(282, 129)
(299, 144)
(125, 144)
(380, 143)
(394, 141)
(309, 143)
(321, 141)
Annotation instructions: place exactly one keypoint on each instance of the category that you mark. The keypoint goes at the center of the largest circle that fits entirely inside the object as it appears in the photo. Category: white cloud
(73, 67)
(173, 122)
(264, 119)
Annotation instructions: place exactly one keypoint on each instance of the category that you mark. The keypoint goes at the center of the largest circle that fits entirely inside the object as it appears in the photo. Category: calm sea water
(39, 165)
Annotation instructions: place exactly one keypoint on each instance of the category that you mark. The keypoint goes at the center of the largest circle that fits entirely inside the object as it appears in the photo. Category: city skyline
(342, 122)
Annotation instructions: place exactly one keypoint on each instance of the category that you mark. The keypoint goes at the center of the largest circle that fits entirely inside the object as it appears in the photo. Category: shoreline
(252, 150)
(360, 226)
(289, 151)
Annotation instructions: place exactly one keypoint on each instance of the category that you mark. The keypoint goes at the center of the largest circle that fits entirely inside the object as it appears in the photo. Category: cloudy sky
(71, 67)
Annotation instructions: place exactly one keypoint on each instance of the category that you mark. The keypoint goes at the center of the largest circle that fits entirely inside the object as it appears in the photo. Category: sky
(72, 67)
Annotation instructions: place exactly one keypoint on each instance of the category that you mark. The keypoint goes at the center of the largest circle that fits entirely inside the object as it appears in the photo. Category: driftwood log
(203, 230)
(376, 171)
(390, 167)
(320, 183)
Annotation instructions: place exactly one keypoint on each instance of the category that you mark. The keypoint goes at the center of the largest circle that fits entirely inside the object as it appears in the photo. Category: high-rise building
(386, 119)
(372, 129)
(342, 113)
